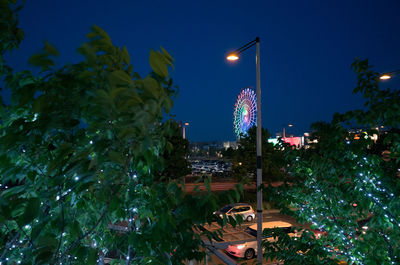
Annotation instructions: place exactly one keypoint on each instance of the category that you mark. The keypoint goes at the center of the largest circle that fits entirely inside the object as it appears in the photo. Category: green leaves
(343, 179)
(31, 211)
(86, 145)
(42, 59)
(11, 35)
(121, 78)
(116, 157)
(152, 87)
(99, 32)
(159, 62)
(50, 49)
(125, 56)
(45, 247)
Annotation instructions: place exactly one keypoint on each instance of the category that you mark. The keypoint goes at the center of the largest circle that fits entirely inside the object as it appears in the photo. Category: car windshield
(226, 208)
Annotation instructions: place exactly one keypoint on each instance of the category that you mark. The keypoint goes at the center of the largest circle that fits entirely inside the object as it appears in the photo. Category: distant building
(230, 144)
(294, 141)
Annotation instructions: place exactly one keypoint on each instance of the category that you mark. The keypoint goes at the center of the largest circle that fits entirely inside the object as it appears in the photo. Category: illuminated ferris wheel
(245, 113)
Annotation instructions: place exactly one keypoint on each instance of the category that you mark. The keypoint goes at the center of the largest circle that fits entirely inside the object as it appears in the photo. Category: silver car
(248, 250)
(243, 209)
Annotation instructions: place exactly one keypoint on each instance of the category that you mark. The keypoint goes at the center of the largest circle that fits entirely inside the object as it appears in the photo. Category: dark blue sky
(307, 48)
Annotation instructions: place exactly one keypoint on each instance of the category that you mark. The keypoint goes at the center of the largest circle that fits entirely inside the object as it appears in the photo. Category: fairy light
(370, 185)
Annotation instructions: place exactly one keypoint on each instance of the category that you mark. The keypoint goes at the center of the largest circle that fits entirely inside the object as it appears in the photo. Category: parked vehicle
(248, 250)
(243, 209)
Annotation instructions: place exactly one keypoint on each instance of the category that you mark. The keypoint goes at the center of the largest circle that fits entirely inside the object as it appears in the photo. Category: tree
(176, 164)
(81, 151)
(10, 34)
(244, 158)
(341, 183)
(228, 153)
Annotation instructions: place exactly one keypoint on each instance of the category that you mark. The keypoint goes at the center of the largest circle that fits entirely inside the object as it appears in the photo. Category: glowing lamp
(385, 77)
(232, 57)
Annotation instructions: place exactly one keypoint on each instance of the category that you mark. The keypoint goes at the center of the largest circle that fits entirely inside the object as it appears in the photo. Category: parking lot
(233, 234)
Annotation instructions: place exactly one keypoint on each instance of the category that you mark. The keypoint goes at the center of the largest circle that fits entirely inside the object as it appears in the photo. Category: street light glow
(232, 57)
(385, 77)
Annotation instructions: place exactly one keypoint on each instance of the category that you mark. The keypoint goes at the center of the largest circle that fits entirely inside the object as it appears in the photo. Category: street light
(389, 75)
(184, 131)
(234, 56)
(289, 125)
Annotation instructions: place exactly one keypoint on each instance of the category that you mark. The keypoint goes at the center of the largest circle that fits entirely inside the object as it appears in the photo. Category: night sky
(307, 48)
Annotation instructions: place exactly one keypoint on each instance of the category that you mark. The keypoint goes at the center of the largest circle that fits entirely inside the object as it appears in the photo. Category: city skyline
(306, 52)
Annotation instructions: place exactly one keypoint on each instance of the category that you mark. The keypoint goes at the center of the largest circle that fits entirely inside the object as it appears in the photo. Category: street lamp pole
(233, 57)
(184, 129)
(284, 135)
(259, 153)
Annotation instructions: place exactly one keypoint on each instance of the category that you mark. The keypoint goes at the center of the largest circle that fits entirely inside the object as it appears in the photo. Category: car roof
(272, 224)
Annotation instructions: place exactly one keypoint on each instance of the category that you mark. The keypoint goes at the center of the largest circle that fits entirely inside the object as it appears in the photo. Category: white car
(248, 250)
(243, 209)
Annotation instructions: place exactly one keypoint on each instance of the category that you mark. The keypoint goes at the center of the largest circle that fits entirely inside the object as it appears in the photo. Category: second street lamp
(289, 125)
(184, 129)
(389, 75)
(233, 57)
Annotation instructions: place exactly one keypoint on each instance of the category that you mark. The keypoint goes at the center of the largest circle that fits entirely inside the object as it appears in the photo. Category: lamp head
(232, 57)
(385, 77)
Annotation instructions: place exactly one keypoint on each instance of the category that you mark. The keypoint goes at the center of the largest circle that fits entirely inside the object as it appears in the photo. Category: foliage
(244, 163)
(10, 34)
(80, 154)
(229, 153)
(341, 183)
(306, 249)
(176, 164)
